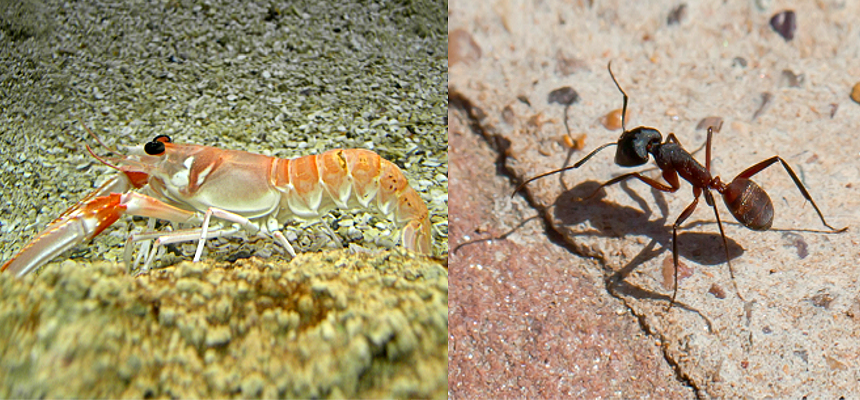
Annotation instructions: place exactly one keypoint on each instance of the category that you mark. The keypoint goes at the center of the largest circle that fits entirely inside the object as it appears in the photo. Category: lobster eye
(162, 139)
(154, 148)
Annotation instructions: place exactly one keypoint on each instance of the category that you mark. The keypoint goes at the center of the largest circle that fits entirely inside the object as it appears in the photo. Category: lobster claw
(87, 219)
(76, 226)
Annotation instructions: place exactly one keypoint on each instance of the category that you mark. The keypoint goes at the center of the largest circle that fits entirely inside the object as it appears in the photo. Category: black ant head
(635, 144)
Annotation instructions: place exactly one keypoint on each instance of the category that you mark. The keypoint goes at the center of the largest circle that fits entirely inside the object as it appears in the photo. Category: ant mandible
(747, 201)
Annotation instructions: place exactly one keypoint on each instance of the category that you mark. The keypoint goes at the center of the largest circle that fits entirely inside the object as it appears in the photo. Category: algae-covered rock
(323, 325)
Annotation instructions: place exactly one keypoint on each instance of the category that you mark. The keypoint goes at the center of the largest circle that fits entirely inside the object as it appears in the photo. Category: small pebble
(576, 142)
(822, 299)
(525, 100)
(564, 96)
(784, 23)
(834, 364)
(669, 272)
(713, 121)
(765, 100)
(790, 79)
(796, 240)
(855, 93)
(508, 115)
(672, 113)
(717, 291)
(462, 48)
(566, 66)
(612, 120)
(677, 14)
(763, 5)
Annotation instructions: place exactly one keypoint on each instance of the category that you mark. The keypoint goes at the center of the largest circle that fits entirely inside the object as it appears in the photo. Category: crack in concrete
(501, 145)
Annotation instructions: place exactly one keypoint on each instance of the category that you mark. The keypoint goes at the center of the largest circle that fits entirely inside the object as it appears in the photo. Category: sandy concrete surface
(790, 328)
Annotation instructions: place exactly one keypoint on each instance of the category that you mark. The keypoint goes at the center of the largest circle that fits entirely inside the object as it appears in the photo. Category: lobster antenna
(96, 138)
(101, 160)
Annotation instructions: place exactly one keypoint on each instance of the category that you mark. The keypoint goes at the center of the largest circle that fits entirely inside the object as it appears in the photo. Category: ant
(747, 201)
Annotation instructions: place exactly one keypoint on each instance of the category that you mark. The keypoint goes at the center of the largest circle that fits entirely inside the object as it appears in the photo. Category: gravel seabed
(284, 80)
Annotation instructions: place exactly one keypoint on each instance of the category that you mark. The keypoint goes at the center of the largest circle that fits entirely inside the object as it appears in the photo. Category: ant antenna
(574, 166)
(595, 151)
(624, 106)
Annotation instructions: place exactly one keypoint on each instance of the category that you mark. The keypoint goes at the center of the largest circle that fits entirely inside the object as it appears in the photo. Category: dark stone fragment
(564, 96)
(784, 24)
(677, 14)
(790, 79)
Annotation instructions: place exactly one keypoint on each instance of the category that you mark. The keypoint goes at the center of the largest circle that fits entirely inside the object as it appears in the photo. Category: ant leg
(681, 218)
(711, 130)
(749, 172)
(709, 198)
(672, 138)
(671, 188)
(708, 153)
(708, 144)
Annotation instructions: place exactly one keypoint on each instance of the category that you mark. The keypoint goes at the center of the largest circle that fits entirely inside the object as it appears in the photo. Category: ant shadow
(613, 220)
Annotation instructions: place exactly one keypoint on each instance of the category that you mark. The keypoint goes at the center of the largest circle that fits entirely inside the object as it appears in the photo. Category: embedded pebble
(790, 79)
(855, 95)
(612, 120)
(677, 14)
(575, 142)
(563, 95)
(462, 48)
(669, 272)
(711, 121)
(717, 291)
(784, 23)
(566, 66)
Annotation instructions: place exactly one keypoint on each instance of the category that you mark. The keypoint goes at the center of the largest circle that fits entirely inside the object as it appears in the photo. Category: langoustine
(190, 184)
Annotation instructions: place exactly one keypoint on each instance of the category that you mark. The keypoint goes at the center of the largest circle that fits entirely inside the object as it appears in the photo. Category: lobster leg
(245, 223)
(201, 235)
(162, 239)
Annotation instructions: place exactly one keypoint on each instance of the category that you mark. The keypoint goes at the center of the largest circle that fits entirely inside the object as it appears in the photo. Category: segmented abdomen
(348, 179)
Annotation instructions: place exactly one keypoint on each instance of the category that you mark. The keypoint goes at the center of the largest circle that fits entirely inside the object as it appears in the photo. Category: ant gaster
(747, 201)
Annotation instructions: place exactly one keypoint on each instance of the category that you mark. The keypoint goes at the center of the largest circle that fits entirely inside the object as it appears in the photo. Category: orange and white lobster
(190, 184)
